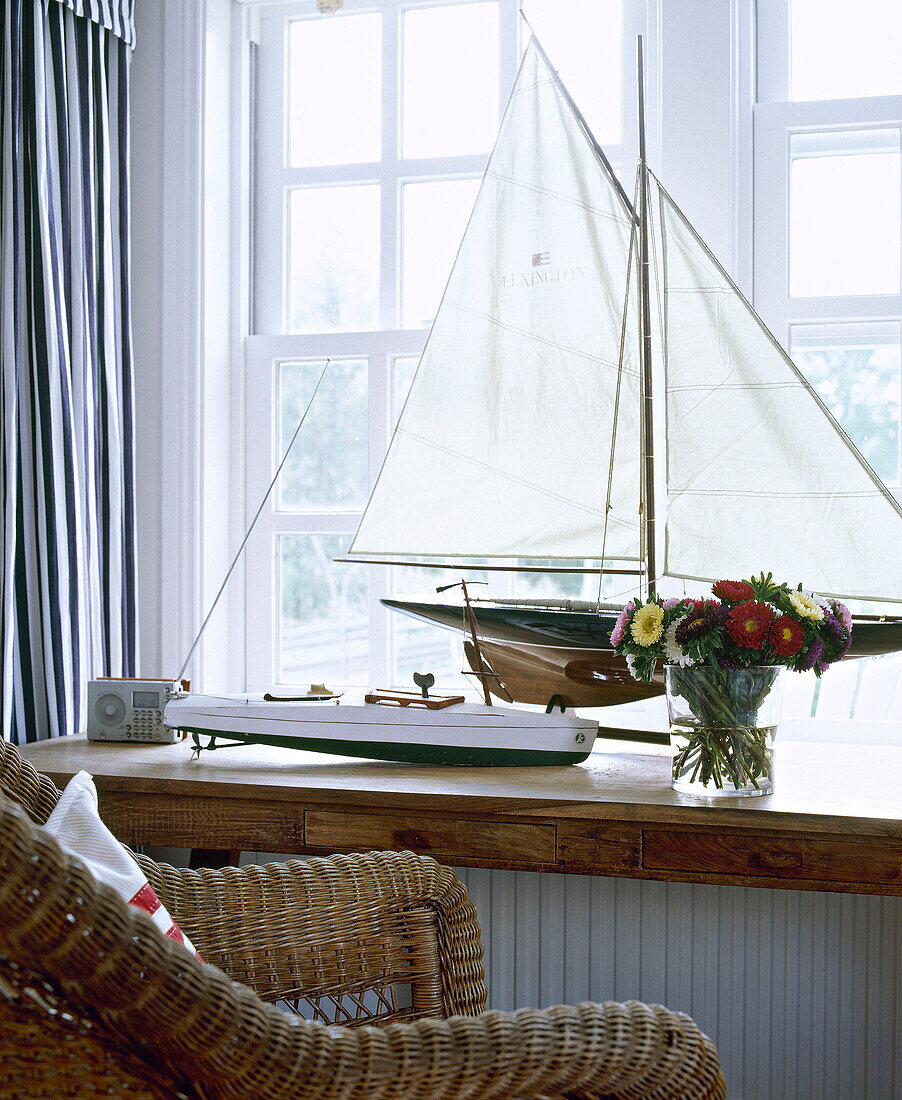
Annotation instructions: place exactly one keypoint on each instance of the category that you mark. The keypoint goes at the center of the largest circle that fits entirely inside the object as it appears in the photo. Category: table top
(819, 788)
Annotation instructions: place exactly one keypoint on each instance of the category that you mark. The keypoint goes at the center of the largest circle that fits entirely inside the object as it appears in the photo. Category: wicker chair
(94, 1000)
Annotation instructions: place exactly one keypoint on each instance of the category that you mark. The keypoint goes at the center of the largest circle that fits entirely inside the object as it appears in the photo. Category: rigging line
(616, 414)
(266, 495)
(659, 293)
(659, 309)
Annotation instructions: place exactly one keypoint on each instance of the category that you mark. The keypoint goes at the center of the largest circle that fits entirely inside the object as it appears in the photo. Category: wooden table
(833, 823)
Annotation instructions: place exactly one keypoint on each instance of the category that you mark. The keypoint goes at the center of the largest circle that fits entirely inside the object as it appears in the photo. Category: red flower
(748, 624)
(700, 605)
(786, 635)
(734, 591)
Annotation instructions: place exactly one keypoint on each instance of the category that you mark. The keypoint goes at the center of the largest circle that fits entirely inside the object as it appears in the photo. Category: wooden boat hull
(462, 734)
(538, 653)
(576, 677)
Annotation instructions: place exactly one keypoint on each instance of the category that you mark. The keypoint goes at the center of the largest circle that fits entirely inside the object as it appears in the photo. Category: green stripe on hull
(407, 753)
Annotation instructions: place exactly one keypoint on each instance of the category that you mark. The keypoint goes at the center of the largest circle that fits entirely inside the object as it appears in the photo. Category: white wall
(801, 991)
(183, 324)
(165, 265)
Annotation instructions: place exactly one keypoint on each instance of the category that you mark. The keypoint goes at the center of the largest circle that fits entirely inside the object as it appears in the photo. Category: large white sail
(504, 445)
(759, 475)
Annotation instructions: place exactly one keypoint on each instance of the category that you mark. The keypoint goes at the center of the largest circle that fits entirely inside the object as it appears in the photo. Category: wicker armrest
(132, 988)
(340, 938)
(588, 1050)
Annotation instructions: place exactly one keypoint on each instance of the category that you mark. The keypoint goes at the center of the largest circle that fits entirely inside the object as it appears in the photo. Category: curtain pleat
(69, 602)
(117, 16)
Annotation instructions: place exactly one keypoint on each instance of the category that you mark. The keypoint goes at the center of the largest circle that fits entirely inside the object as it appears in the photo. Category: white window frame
(776, 118)
(264, 350)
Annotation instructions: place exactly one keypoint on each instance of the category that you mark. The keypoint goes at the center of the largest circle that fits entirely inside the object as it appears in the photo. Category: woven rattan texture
(52, 1049)
(129, 999)
(35, 793)
(332, 930)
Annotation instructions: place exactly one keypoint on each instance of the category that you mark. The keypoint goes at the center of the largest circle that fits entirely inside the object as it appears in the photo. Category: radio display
(146, 699)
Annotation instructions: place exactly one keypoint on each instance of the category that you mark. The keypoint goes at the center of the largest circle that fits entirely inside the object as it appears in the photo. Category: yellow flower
(806, 607)
(648, 624)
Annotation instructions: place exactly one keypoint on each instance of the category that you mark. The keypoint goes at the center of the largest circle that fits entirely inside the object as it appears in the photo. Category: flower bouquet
(723, 660)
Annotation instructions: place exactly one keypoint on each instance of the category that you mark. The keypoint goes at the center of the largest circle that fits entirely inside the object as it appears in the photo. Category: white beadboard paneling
(801, 991)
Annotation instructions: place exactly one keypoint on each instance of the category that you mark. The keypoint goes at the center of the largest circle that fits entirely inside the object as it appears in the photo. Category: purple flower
(845, 615)
(620, 626)
(812, 655)
(838, 633)
(834, 627)
(821, 667)
(674, 601)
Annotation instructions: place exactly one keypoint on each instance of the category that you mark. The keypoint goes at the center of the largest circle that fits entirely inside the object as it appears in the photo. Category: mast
(648, 498)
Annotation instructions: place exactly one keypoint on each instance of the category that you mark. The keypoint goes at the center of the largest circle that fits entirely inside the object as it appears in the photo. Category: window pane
(327, 467)
(841, 50)
(334, 90)
(564, 586)
(434, 218)
(323, 614)
(333, 259)
(421, 647)
(844, 213)
(583, 38)
(857, 371)
(450, 80)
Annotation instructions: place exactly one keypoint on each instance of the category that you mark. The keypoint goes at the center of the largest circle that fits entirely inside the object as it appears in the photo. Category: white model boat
(462, 733)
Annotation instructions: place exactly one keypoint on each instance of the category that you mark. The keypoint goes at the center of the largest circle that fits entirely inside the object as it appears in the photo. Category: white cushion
(76, 826)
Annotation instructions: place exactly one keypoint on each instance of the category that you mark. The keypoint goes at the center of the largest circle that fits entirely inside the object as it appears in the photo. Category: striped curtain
(68, 607)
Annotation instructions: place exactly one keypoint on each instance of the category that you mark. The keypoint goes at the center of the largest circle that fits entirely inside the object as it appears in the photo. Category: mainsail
(504, 447)
(758, 471)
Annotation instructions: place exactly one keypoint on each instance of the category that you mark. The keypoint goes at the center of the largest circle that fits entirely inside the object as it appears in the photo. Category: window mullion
(509, 32)
(391, 98)
(773, 53)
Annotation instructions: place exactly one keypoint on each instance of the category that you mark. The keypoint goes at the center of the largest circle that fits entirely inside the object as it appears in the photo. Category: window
(828, 247)
(373, 125)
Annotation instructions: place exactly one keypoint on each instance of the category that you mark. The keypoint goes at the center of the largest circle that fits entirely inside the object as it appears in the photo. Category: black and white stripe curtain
(68, 608)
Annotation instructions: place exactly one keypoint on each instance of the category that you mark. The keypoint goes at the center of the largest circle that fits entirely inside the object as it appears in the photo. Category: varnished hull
(538, 653)
(577, 677)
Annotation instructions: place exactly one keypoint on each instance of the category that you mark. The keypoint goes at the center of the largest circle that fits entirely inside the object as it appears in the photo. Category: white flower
(674, 653)
(631, 663)
(821, 601)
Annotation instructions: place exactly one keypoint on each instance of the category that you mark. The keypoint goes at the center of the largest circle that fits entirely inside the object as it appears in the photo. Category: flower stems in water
(713, 755)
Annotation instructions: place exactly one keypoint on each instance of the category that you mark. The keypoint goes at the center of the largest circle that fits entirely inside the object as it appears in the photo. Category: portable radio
(131, 710)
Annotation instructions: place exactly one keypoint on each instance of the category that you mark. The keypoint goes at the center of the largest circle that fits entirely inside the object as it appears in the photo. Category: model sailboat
(530, 438)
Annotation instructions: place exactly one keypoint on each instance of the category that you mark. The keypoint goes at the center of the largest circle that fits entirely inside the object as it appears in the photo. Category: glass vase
(722, 726)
